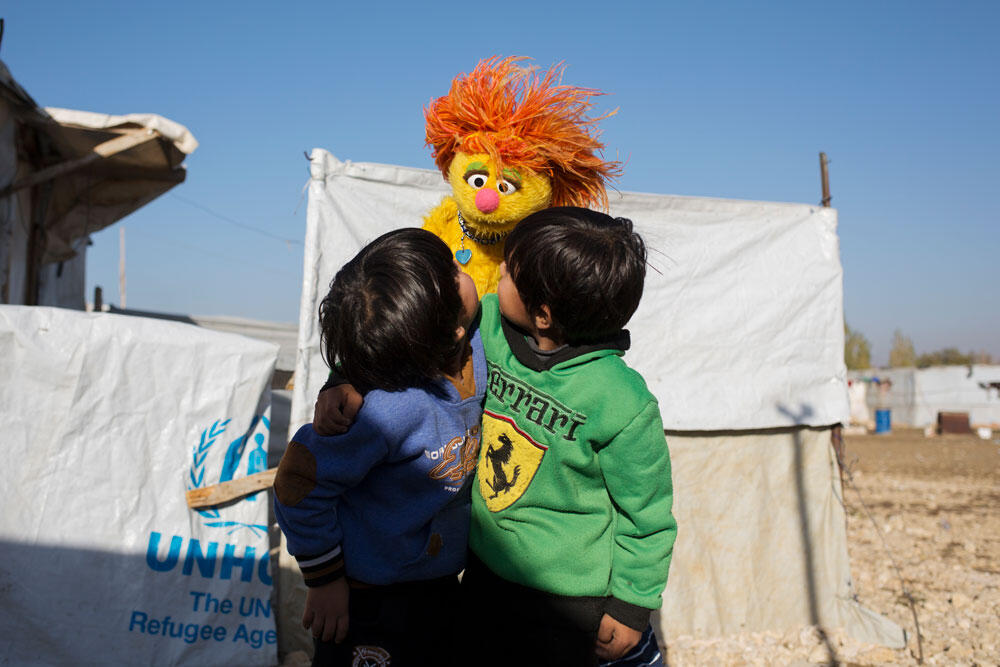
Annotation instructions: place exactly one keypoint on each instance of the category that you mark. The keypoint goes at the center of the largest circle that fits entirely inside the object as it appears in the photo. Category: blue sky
(726, 99)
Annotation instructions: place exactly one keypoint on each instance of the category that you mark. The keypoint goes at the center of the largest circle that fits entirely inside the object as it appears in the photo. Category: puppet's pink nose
(487, 200)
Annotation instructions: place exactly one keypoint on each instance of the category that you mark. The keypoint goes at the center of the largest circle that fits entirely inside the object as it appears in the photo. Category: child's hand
(615, 639)
(326, 610)
(336, 409)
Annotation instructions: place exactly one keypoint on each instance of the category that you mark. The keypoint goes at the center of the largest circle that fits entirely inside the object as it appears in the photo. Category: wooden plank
(207, 496)
(110, 147)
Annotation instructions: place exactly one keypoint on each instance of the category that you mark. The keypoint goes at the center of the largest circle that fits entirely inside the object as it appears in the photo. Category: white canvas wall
(741, 322)
(107, 421)
(761, 542)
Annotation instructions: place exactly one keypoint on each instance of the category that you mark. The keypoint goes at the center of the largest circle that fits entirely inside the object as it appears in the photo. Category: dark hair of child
(586, 266)
(391, 313)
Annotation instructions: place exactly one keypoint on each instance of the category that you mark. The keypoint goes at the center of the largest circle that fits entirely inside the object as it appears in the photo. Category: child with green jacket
(572, 530)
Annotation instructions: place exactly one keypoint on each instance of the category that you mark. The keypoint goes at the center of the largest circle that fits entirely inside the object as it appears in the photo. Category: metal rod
(825, 178)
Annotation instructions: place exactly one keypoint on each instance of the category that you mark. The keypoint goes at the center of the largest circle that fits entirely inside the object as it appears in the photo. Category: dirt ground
(935, 503)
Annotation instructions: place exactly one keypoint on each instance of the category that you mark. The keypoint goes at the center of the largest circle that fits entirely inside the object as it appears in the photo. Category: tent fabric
(741, 321)
(87, 121)
(762, 535)
(94, 197)
(857, 396)
(739, 335)
(59, 212)
(917, 395)
(108, 420)
(89, 199)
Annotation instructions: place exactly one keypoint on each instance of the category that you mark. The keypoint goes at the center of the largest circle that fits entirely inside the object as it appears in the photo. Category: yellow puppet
(510, 143)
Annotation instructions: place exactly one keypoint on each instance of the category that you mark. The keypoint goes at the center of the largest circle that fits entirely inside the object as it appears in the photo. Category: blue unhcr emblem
(257, 461)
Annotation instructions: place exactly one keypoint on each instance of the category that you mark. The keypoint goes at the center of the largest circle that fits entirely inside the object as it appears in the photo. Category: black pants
(408, 624)
(517, 626)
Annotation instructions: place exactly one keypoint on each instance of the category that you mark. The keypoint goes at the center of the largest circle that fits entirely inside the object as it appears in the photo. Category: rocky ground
(927, 508)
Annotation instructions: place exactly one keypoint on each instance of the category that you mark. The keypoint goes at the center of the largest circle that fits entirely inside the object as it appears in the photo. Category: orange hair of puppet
(522, 120)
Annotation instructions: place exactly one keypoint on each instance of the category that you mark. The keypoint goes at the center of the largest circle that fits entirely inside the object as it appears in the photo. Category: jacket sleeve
(636, 468)
(313, 474)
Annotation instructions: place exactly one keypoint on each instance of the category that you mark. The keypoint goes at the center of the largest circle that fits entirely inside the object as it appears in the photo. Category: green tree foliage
(902, 352)
(857, 350)
(982, 357)
(949, 356)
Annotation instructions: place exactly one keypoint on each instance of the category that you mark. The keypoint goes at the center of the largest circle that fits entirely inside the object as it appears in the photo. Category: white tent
(739, 335)
(916, 396)
(108, 421)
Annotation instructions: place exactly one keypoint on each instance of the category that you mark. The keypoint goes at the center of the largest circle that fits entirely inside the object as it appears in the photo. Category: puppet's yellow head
(496, 198)
(511, 143)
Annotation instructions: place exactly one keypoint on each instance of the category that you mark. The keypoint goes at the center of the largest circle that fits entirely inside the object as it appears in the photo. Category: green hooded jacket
(573, 493)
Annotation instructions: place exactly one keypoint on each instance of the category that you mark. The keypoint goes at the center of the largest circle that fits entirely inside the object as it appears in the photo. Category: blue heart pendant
(463, 256)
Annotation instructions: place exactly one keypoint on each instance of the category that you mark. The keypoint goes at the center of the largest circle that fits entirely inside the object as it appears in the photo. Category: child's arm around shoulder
(337, 404)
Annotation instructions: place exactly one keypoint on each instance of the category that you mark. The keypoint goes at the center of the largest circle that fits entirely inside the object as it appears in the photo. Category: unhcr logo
(256, 462)
(204, 560)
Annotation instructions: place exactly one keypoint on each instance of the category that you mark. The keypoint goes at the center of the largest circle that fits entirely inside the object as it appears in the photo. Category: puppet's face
(496, 201)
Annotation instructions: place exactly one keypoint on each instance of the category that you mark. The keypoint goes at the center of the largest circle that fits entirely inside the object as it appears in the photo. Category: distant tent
(916, 395)
(66, 174)
(857, 395)
(739, 335)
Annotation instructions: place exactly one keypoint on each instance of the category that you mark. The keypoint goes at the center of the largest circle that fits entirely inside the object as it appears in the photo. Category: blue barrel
(883, 421)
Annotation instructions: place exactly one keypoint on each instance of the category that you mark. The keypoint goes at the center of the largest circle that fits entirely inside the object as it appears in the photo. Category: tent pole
(41, 196)
(121, 265)
(825, 178)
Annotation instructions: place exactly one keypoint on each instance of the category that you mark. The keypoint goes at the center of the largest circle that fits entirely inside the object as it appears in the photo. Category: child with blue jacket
(378, 517)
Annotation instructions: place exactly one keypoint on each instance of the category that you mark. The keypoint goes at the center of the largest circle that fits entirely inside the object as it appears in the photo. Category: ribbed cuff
(632, 615)
(322, 569)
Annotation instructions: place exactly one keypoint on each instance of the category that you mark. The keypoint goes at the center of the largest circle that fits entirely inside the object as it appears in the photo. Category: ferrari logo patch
(508, 461)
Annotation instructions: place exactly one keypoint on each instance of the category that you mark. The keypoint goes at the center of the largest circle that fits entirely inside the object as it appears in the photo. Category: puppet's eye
(506, 187)
(476, 180)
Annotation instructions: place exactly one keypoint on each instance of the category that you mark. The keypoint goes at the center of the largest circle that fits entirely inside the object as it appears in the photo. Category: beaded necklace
(463, 254)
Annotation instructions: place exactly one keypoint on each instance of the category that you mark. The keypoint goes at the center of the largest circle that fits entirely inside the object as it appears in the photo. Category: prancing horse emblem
(499, 457)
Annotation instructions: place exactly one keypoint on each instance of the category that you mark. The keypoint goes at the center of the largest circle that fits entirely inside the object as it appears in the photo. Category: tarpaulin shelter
(67, 174)
(108, 421)
(740, 337)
